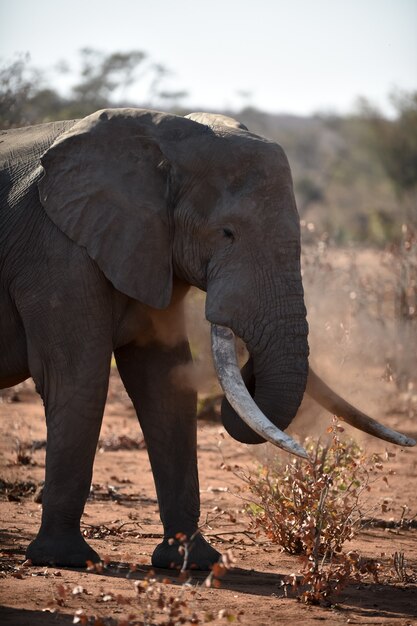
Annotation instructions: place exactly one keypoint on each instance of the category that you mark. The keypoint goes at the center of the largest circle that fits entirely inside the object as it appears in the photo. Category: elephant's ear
(105, 187)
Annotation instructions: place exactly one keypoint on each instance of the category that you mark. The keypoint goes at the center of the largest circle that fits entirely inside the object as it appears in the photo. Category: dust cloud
(360, 342)
(201, 373)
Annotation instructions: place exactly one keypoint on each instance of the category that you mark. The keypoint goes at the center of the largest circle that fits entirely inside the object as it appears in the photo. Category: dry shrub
(156, 601)
(312, 508)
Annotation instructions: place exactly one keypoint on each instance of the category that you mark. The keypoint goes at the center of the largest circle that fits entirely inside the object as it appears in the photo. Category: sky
(292, 56)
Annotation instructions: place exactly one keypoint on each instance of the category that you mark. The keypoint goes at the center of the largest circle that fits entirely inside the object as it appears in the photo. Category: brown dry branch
(121, 442)
(15, 491)
(124, 529)
(399, 569)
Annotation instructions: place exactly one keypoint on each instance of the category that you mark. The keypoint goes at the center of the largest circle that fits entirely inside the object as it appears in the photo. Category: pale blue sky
(298, 56)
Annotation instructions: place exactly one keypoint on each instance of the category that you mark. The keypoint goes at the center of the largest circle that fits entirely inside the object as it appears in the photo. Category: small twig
(236, 532)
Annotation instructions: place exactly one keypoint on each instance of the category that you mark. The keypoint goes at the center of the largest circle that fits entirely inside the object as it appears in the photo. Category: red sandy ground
(253, 586)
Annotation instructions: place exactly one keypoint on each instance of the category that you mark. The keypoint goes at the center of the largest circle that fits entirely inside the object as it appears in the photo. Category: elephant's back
(20, 152)
(29, 142)
(20, 170)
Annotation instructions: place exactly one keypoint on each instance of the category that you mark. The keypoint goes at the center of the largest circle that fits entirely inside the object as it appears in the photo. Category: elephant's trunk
(274, 329)
(237, 394)
(275, 376)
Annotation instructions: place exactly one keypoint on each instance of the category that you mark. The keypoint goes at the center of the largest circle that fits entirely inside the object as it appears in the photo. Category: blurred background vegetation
(355, 176)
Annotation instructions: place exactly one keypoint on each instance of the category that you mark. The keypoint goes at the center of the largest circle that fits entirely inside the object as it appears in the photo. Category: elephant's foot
(69, 550)
(200, 555)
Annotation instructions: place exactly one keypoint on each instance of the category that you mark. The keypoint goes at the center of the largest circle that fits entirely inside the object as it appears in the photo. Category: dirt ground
(122, 522)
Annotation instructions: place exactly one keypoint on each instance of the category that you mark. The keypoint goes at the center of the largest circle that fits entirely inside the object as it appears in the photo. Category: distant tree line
(104, 80)
(355, 176)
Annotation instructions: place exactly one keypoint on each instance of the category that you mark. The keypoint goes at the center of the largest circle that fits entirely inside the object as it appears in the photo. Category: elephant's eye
(228, 233)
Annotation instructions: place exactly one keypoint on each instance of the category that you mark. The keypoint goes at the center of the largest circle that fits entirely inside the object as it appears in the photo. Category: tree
(103, 81)
(394, 142)
(103, 75)
(18, 86)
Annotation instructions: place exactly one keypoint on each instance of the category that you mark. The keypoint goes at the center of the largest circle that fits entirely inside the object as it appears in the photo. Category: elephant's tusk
(228, 372)
(325, 396)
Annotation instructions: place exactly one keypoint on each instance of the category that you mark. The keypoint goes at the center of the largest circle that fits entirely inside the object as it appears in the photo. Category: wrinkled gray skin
(105, 223)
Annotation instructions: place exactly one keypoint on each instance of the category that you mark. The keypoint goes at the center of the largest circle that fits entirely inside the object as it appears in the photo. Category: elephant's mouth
(240, 399)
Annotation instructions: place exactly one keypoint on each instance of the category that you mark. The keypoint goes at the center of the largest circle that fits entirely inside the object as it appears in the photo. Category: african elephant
(105, 223)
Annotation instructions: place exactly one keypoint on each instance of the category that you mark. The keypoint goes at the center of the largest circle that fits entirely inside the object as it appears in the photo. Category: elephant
(105, 224)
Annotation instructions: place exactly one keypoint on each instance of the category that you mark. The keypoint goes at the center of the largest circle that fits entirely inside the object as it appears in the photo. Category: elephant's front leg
(72, 378)
(166, 406)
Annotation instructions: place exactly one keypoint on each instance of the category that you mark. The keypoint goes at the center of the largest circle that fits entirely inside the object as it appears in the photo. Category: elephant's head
(246, 241)
(150, 195)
